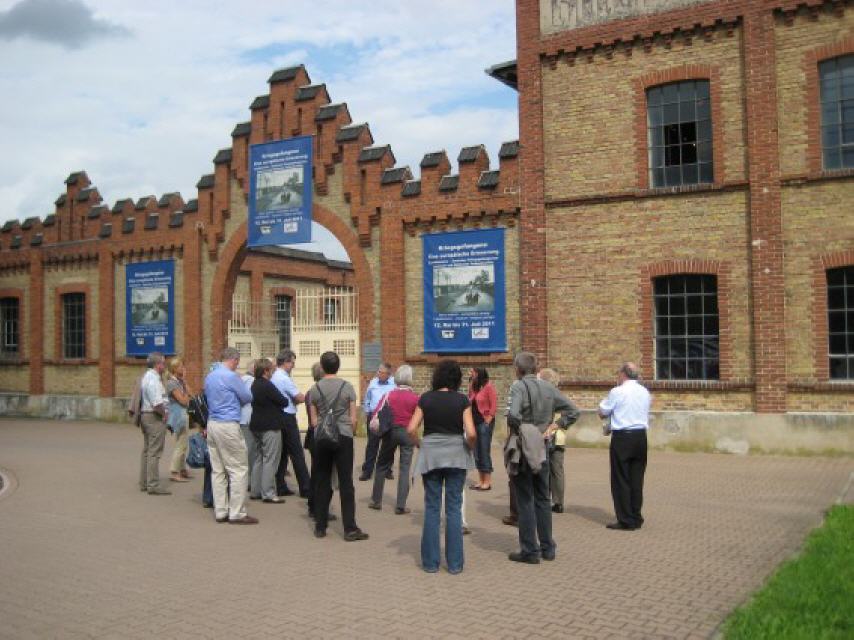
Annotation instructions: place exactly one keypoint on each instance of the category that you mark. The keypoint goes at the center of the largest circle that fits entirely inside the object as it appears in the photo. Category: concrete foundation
(739, 433)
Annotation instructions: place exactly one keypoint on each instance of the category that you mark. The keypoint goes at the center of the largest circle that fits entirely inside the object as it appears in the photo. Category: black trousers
(292, 447)
(372, 449)
(341, 456)
(628, 464)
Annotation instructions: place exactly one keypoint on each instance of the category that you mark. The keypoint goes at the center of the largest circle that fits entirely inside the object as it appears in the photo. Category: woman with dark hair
(484, 404)
(332, 394)
(265, 429)
(445, 457)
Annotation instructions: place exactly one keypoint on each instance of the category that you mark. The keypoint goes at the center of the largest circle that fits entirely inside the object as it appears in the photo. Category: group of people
(252, 434)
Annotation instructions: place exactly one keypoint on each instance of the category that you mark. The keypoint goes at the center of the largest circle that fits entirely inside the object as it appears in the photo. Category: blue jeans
(483, 447)
(453, 481)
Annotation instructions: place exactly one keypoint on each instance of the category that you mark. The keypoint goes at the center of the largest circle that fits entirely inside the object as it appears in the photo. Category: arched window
(840, 322)
(687, 331)
(679, 125)
(837, 112)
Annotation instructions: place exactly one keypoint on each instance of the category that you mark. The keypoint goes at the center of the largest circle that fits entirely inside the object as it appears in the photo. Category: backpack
(197, 410)
(326, 431)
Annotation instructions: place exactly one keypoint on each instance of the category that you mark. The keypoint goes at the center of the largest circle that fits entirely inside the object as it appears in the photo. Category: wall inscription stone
(560, 15)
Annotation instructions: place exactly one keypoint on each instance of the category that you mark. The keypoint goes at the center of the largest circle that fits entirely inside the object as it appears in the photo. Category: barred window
(679, 134)
(331, 307)
(9, 327)
(687, 329)
(344, 347)
(837, 112)
(74, 325)
(309, 347)
(840, 322)
(283, 321)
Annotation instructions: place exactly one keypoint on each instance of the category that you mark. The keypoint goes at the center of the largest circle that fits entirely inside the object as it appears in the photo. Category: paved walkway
(83, 554)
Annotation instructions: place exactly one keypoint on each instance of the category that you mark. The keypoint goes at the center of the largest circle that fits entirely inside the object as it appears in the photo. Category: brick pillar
(393, 307)
(107, 323)
(532, 226)
(191, 307)
(37, 337)
(766, 227)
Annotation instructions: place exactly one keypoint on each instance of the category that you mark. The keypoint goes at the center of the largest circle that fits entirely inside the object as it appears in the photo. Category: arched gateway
(67, 277)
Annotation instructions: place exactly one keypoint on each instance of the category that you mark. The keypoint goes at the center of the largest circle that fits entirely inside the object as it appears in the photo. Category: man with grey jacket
(534, 402)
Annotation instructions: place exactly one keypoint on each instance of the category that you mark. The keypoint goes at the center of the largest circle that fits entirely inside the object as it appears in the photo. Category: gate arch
(234, 251)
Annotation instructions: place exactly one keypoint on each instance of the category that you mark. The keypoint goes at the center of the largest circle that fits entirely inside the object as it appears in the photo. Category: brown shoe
(244, 520)
(177, 478)
(510, 521)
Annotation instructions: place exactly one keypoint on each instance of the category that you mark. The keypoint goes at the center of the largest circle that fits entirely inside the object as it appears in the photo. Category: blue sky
(141, 95)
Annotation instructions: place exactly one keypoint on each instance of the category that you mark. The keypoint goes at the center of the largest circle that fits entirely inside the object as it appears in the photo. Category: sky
(141, 95)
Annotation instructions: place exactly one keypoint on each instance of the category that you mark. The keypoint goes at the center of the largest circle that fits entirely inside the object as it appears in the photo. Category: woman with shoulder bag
(401, 403)
(333, 412)
(177, 420)
(484, 404)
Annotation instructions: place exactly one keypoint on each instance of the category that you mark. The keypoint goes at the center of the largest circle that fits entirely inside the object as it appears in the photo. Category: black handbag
(326, 431)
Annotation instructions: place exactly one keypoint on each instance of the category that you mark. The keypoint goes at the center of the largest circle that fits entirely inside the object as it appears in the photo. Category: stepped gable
(373, 186)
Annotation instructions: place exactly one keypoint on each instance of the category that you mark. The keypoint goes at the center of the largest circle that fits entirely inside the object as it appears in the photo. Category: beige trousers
(179, 453)
(229, 467)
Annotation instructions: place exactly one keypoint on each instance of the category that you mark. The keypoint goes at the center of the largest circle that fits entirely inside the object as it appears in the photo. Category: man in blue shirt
(226, 394)
(291, 444)
(377, 389)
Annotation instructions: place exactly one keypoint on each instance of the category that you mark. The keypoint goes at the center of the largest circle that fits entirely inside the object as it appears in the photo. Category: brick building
(679, 195)
(687, 188)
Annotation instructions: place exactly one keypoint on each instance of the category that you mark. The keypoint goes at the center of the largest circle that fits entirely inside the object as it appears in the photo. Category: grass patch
(810, 596)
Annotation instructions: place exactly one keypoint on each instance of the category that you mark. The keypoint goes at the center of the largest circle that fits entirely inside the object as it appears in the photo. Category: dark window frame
(686, 326)
(840, 322)
(73, 325)
(10, 327)
(680, 143)
(836, 104)
(284, 308)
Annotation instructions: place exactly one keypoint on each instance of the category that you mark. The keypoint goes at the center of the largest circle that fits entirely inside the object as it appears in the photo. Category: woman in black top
(445, 457)
(265, 428)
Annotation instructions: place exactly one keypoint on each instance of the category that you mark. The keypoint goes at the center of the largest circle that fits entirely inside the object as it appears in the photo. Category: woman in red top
(484, 403)
(402, 401)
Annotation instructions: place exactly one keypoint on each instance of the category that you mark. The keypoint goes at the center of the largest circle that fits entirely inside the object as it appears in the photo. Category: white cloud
(145, 112)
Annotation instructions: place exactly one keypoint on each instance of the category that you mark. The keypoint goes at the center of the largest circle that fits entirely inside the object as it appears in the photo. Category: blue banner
(150, 307)
(280, 189)
(464, 305)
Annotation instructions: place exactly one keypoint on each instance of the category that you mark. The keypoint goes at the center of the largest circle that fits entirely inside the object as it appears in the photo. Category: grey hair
(316, 371)
(250, 367)
(229, 353)
(154, 359)
(630, 370)
(285, 355)
(403, 375)
(525, 363)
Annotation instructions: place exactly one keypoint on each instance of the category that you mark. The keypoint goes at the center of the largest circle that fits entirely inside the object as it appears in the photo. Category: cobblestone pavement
(84, 554)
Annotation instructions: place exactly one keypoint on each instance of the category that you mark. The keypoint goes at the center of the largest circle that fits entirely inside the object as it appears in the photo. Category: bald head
(629, 370)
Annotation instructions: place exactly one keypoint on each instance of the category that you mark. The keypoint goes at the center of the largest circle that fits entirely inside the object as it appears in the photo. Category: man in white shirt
(627, 405)
(153, 423)
(291, 444)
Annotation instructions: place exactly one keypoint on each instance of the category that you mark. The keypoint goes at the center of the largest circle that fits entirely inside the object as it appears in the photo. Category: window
(679, 134)
(344, 347)
(9, 323)
(283, 321)
(686, 327)
(309, 347)
(837, 112)
(74, 325)
(840, 321)
(330, 311)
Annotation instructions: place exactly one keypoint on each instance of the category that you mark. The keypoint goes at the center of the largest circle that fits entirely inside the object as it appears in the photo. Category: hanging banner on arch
(280, 189)
(464, 305)
(150, 307)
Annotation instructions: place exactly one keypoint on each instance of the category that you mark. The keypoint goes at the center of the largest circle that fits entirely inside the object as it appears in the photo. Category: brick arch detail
(234, 251)
(812, 59)
(722, 271)
(666, 76)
